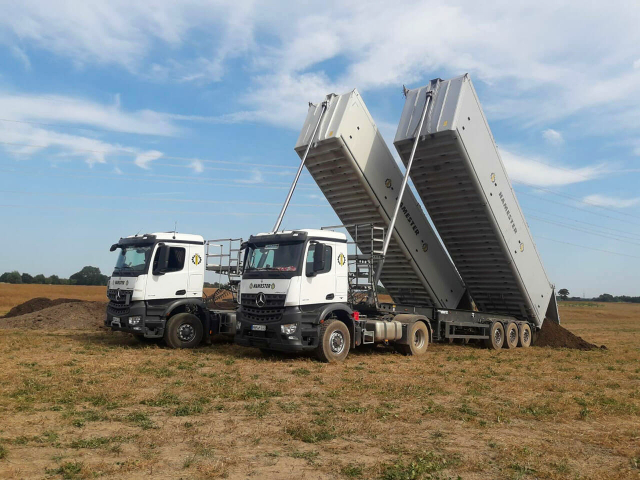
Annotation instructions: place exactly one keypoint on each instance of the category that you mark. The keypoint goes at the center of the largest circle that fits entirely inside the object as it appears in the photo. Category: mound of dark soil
(36, 304)
(554, 335)
(74, 315)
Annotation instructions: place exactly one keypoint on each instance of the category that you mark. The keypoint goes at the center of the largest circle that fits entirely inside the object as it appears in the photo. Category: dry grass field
(88, 404)
(12, 295)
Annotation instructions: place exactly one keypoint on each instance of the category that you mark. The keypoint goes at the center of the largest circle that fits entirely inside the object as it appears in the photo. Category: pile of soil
(36, 304)
(74, 315)
(554, 335)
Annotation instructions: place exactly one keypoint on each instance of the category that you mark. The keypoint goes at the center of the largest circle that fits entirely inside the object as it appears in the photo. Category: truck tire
(334, 343)
(184, 330)
(496, 336)
(524, 339)
(418, 337)
(510, 335)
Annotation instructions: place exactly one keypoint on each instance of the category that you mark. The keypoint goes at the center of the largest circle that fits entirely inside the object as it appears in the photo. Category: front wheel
(335, 342)
(184, 330)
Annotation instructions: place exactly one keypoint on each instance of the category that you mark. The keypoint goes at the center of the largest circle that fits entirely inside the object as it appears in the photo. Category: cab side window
(176, 259)
(328, 254)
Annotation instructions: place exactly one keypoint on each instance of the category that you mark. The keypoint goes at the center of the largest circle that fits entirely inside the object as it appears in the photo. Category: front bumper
(149, 326)
(305, 337)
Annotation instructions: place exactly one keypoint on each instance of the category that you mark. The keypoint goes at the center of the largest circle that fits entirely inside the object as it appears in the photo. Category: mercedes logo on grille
(261, 299)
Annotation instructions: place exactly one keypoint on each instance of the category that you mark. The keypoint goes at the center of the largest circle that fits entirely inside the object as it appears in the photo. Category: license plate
(259, 328)
(116, 322)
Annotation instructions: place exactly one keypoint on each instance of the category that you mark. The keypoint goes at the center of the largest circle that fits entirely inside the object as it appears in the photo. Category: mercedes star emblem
(261, 299)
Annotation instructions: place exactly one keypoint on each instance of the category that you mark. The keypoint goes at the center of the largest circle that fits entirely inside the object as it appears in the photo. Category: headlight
(289, 328)
(135, 320)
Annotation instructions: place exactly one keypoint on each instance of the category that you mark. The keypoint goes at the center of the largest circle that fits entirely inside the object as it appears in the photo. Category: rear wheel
(511, 335)
(184, 330)
(418, 336)
(335, 341)
(496, 336)
(525, 335)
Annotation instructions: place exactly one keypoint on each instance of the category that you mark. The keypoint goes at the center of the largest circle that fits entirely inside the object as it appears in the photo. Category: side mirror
(114, 247)
(163, 260)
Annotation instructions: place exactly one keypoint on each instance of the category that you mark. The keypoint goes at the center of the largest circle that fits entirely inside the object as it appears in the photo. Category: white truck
(299, 288)
(156, 289)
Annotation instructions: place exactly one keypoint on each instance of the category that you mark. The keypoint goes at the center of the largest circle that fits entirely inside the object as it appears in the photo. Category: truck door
(342, 272)
(173, 284)
(321, 287)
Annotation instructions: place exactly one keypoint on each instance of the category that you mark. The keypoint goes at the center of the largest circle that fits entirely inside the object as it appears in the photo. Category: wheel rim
(336, 342)
(186, 332)
(497, 336)
(418, 339)
(513, 335)
(525, 336)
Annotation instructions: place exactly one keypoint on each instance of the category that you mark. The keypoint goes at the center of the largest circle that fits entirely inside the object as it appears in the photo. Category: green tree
(11, 277)
(89, 276)
(54, 280)
(564, 293)
(26, 278)
(606, 297)
(40, 279)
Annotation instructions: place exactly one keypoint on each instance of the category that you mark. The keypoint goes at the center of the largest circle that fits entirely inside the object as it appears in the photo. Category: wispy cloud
(537, 171)
(255, 178)
(144, 159)
(198, 166)
(58, 109)
(22, 56)
(552, 136)
(607, 201)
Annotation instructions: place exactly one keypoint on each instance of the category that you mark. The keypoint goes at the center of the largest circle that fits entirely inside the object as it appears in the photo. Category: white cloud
(144, 159)
(197, 165)
(22, 56)
(117, 170)
(536, 171)
(553, 137)
(606, 201)
(71, 110)
(256, 177)
(636, 64)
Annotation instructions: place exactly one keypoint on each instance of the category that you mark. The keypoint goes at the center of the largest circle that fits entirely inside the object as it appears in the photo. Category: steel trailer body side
(461, 179)
(358, 175)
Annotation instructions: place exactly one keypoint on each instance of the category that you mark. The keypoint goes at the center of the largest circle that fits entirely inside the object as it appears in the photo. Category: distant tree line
(605, 297)
(87, 276)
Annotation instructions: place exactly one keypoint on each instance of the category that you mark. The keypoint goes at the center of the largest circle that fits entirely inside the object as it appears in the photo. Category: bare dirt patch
(67, 315)
(36, 304)
(554, 335)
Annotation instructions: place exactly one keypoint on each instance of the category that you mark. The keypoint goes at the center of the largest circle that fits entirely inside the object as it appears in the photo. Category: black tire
(184, 330)
(418, 336)
(510, 335)
(524, 337)
(496, 336)
(335, 342)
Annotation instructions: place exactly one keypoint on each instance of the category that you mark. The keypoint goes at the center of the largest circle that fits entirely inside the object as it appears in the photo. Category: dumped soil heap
(554, 335)
(37, 304)
(69, 315)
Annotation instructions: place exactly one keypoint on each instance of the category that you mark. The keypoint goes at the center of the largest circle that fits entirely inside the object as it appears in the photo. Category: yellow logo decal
(341, 259)
(493, 178)
(196, 259)
(445, 123)
(387, 183)
(522, 247)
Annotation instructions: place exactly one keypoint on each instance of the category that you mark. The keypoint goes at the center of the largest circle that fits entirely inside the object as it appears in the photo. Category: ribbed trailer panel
(462, 181)
(356, 172)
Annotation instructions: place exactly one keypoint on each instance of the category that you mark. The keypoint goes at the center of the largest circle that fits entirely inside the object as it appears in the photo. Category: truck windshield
(133, 260)
(282, 257)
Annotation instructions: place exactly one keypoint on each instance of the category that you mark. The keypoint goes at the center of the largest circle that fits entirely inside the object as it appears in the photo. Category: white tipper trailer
(460, 177)
(289, 284)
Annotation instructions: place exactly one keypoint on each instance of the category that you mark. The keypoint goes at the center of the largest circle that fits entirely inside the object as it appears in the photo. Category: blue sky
(118, 117)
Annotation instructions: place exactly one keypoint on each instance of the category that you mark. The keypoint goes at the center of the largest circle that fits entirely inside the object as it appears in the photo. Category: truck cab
(292, 280)
(156, 289)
